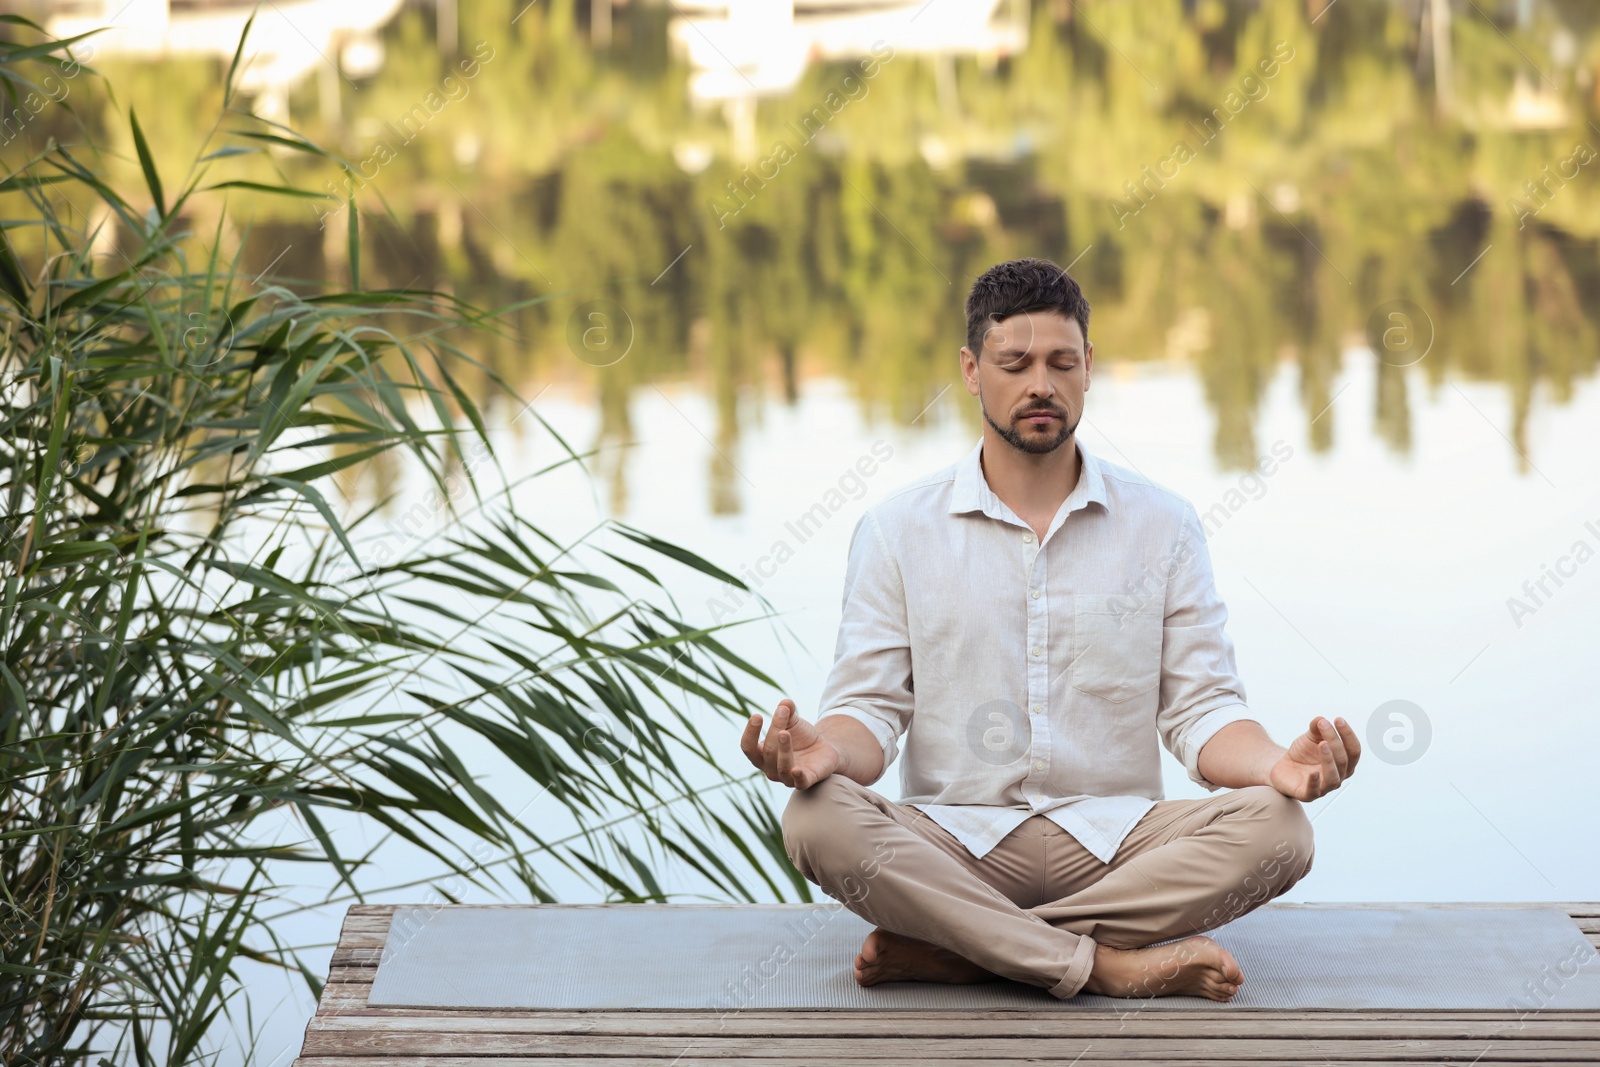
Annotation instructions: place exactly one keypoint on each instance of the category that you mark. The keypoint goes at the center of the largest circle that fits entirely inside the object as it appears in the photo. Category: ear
(969, 370)
(1088, 363)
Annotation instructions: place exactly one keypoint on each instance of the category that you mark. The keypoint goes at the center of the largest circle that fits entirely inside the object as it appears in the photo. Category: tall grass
(192, 638)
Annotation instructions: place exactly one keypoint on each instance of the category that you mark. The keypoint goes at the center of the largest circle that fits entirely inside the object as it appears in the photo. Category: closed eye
(1017, 369)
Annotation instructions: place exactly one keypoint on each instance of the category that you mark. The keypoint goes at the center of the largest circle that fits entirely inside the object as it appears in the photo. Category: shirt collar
(971, 491)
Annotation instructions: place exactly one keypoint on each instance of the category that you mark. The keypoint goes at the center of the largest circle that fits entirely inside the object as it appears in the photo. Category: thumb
(1304, 749)
(802, 734)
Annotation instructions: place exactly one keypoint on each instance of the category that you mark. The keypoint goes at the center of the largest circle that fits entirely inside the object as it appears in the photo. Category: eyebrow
(1052, 352)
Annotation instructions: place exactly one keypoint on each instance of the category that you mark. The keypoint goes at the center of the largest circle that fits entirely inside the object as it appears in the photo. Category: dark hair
(1021, 285)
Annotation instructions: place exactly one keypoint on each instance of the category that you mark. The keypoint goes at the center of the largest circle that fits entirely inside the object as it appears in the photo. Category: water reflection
(291, 42)
(1238, 186)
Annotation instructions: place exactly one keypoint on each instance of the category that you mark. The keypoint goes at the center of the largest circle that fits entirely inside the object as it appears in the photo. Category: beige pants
(1034, 907)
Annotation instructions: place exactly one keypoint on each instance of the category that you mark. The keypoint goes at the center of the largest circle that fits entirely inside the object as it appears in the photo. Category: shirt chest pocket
(1117, 645)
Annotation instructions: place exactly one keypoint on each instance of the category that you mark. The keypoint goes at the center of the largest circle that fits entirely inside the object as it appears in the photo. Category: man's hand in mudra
(1317, 761)
(795, 751)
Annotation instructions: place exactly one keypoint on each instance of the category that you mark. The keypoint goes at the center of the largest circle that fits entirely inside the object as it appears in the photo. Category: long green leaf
(148, 164)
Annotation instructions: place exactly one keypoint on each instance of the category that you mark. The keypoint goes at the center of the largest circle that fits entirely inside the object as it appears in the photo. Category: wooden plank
(941, 1023)
(351, 999)
(361, 943)
(343, 971)
(376, 912)
(1107, 1058)
(354, 964)
(864, 1024)
(379, 1043)
(345, 1002)
(698, 1061)
(1151, 1024)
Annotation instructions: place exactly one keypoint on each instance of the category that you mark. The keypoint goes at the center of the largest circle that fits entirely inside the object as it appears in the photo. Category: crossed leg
(1039, 908)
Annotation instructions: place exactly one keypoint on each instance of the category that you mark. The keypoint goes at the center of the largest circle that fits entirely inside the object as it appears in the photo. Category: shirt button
(1027, 538)
(1034, 594)
(1039, 765)
(1037, 708)
(1036, 652)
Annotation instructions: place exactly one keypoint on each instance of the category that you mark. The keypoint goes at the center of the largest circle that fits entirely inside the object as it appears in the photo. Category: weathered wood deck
(346, 1032)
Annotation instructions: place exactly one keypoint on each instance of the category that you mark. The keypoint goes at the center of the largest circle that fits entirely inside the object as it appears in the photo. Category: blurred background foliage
(580, 170)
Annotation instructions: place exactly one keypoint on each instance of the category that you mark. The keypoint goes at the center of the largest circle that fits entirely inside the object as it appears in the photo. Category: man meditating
(1031, 619)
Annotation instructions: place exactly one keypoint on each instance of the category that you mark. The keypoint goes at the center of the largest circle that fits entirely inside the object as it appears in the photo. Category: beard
(1035, 442)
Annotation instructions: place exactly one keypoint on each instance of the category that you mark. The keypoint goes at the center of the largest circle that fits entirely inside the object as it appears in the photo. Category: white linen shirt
(1028, 676)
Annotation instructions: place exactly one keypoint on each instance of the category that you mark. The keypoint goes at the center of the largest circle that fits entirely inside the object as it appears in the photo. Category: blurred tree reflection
(1315, 184)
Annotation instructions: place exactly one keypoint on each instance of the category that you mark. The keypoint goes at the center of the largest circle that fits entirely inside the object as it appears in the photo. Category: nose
(1039, 386)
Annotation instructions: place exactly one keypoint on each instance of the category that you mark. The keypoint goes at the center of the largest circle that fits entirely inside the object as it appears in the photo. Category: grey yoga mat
(727, 958)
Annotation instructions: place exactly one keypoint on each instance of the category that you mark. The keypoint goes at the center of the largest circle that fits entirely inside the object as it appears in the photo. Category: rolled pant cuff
(1077, 971)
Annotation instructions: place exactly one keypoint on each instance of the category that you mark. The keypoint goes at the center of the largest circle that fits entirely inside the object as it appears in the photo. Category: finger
(1308, 742)
(1314, 735)
(1314, 731)
(1330, 734)
(769, 748)
(1341, 751)
(750, 740)
(785, 758)
(1352, 744)
(779, 721)
(800, 774)
(1330, 769)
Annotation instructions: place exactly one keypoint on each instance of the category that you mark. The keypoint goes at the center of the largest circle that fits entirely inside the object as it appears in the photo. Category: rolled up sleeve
(1201, 691)
(871, 676)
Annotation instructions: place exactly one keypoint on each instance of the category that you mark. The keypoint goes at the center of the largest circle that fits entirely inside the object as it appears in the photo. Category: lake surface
(1330, 262)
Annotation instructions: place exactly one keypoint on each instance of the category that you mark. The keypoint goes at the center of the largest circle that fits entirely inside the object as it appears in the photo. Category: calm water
(1319, 262)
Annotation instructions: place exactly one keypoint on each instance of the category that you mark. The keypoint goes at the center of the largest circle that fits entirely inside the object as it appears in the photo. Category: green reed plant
(192, 643)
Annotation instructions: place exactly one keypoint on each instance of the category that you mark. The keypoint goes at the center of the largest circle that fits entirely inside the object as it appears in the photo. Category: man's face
(1031, 379)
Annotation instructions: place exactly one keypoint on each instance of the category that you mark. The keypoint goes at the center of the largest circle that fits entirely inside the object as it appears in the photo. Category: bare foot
(1196, 966)
(888, 957)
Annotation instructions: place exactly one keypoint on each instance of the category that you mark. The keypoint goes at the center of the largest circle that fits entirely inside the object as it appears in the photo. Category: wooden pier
(346, 1032)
